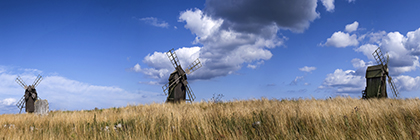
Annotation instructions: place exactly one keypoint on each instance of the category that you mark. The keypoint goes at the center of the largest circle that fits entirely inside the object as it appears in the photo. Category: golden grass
(338, 118)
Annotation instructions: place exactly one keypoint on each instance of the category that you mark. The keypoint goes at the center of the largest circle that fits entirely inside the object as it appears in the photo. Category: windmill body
(177, 92)
(177, 87)
(376, 82)
(30, 97)
(376, 78)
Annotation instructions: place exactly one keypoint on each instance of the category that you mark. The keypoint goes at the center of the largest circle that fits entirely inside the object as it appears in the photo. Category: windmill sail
(193, 66)
(379, 57)
(21, 82)
(174, 59)
(394, 89)
(21, 104)
(37, 81)
(190, 93)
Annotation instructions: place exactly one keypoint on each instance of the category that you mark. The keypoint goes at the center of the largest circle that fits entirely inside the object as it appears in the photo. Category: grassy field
(337, 118)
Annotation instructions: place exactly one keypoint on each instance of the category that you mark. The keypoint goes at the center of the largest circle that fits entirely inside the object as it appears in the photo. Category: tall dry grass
(338, 118)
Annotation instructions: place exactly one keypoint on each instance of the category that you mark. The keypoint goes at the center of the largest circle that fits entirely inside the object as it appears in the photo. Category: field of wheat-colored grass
(337, 118)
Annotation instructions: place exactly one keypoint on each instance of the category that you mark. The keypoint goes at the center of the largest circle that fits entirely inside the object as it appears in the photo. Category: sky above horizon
(110, 54)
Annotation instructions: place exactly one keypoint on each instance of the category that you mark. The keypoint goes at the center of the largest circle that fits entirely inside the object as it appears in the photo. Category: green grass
(338, 118)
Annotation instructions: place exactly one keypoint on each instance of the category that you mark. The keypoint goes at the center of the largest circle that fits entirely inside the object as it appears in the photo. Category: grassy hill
(337, 118)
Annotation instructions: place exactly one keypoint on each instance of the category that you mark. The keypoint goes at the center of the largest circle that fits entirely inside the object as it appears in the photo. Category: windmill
(178, 88)
(376, 78)
(30, 96)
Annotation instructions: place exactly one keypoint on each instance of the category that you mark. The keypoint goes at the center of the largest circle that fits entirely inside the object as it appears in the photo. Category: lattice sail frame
(173, 58)
(380, 59)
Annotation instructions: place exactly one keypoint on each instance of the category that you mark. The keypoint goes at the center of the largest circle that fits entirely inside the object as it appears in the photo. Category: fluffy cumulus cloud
(232, 34)
(402, 56)
(344, 82)
(367, 50)
(328, 4)
(412, 43)
(352, 27)
(407, 83)
(8, 101)
(67, 94)
(340, 40)
(347, 82)
(307, 69)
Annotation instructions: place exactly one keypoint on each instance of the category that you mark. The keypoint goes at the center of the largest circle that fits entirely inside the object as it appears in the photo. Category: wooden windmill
(178, 88)
(376, 78)
(30, 96)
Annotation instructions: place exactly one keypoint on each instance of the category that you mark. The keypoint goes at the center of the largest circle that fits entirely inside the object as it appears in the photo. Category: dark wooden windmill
(376, 78)
(178, 88)
(30, 96)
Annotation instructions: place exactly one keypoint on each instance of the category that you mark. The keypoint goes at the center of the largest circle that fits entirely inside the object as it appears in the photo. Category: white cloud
(367, 50)
(328, 4)
(8, 101)
(340, 39)
(307, 69)
(352, 27)
(137, 68)
(376, 37)
(357, 63)
(412, 43)
(407, 83)
(251, 66)
(256, 65)
(399, 48)
(154, 22)
(344, 82)
(223, 51)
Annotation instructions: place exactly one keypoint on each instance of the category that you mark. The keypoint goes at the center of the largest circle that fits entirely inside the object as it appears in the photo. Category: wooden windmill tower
(178, 88)
(376, 78)
(30, 96)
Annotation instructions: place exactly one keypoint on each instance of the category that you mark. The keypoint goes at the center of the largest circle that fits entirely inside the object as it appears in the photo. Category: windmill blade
(174, 59)
(379, 57)
(37, 81)
(165, 88)
(21, 104)
(392, 86)
(21, 82)
(190, 93)
(193, 66)
(167, 85)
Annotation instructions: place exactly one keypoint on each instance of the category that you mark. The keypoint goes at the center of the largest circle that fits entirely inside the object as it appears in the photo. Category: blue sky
(109, 54)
